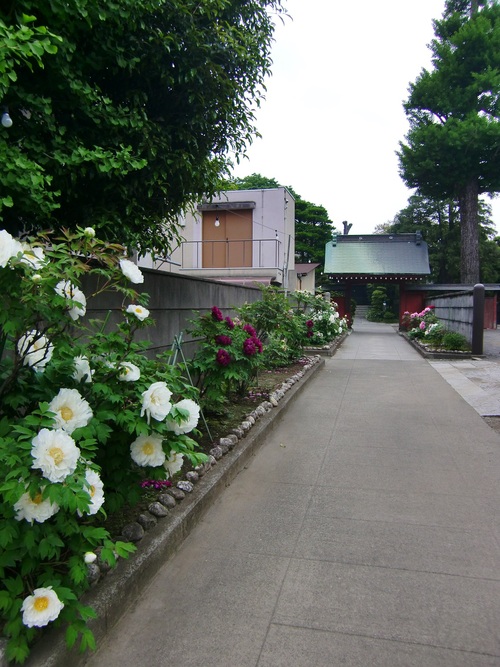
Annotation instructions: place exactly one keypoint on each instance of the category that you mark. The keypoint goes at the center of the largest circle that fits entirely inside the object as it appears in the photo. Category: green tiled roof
(377, 255)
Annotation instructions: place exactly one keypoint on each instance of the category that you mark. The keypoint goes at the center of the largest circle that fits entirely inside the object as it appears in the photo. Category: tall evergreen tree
(453, 146)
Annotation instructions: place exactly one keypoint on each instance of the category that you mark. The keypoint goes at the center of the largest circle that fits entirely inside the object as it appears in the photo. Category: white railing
(234, 254)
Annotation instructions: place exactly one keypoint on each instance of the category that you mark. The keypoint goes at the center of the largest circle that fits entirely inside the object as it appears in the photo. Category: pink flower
(422, 326)
(223, 340)
(250, 330)
(223, 358)
(249, 347)
(217, 314)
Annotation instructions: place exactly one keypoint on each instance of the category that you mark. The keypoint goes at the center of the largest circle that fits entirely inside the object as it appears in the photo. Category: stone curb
(328, 350)
(121, 586)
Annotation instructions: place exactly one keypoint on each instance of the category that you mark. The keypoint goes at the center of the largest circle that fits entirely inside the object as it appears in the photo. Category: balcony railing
(231, 254)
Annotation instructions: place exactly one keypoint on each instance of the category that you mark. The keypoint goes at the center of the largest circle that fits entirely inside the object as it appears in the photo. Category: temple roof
(377, 255)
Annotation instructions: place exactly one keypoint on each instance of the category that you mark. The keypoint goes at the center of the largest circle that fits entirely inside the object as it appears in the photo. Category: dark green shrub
(453, 340)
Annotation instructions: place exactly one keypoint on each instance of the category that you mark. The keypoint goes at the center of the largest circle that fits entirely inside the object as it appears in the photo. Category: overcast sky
(333, 116)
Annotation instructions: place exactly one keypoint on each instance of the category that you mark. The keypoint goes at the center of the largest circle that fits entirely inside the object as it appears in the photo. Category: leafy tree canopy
(451, 150)
(124, 111)
(313, 227)
(439, 223)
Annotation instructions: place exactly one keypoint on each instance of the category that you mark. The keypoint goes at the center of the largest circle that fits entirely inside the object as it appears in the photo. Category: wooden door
(228, 245)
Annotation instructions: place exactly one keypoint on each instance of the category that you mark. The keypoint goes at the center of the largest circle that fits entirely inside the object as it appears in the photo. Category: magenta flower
(249, 347)
(223, 358)
(230, 323)
(223, 340)
(309, 324)
(258, 344)
(422, 326)
(217, 314)
(310, 334)
(250, 330)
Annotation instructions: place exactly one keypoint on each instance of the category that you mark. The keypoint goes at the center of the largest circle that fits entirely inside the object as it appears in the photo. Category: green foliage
(74, 405)
(228, 357)
(382, 304)
(450, 152)
(277, 325)
(124, 112)
(452, 340)
(321, 318)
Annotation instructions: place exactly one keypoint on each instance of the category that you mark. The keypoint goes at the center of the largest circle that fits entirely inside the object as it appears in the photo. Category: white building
(241, 236)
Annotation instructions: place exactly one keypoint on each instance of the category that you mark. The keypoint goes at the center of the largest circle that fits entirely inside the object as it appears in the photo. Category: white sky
(333, 116)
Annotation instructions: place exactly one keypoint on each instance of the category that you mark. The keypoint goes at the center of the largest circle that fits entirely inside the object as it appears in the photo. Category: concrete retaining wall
(172, 302)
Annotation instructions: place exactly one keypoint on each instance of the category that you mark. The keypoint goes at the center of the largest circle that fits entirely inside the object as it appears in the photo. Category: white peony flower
(89, 557)
(35, 350)
(174, 463)
(55, 454)
(95, 490)
(156, 401)
(190, 422)
(34, 509)
(140, 312)
(128, 372)
(90, 232)
(147, 450)
(36, 278)
(131, 271)
(71, 410)
(9, 247)
(33, 256)
(41, 607)
(82, 370)
(66, 289)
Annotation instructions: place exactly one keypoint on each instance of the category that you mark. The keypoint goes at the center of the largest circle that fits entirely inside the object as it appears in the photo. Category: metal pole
(478, 319)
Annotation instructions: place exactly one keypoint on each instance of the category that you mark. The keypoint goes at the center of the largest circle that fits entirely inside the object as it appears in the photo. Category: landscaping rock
(192, 476)
(93, 573)
(147, 520)
(158, 509)
(217, 452)
(133, 532)
(238, 432)
(177, 493)
(185, 486)
(228, 442)
(167, 500)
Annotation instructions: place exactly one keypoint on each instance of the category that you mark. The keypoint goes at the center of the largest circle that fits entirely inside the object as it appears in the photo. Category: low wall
(172, 301)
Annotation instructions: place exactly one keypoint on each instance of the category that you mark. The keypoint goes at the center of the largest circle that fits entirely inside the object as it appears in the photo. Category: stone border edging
(328, 350)
(121, 586)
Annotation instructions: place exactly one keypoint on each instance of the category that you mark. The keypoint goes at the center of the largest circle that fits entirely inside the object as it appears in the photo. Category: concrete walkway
(365, 532)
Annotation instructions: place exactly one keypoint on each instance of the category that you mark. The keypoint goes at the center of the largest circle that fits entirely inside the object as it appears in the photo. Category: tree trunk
(469, 250)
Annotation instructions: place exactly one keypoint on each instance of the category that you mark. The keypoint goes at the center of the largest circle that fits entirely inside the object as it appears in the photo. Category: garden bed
(117, 590)
(431, 353)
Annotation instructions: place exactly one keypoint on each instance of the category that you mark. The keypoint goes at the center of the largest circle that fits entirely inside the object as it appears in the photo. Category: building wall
(272, 218)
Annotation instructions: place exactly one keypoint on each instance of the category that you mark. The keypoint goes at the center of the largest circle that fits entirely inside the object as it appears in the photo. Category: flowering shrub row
(85, 417)
(426, 327)
(269, 332)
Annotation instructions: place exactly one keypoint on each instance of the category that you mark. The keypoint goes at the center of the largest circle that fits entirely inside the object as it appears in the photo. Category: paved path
(364, 533)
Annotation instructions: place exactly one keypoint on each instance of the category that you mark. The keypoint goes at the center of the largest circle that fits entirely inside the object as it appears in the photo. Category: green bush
(227, 359)
(452, 340)
(84, 418)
